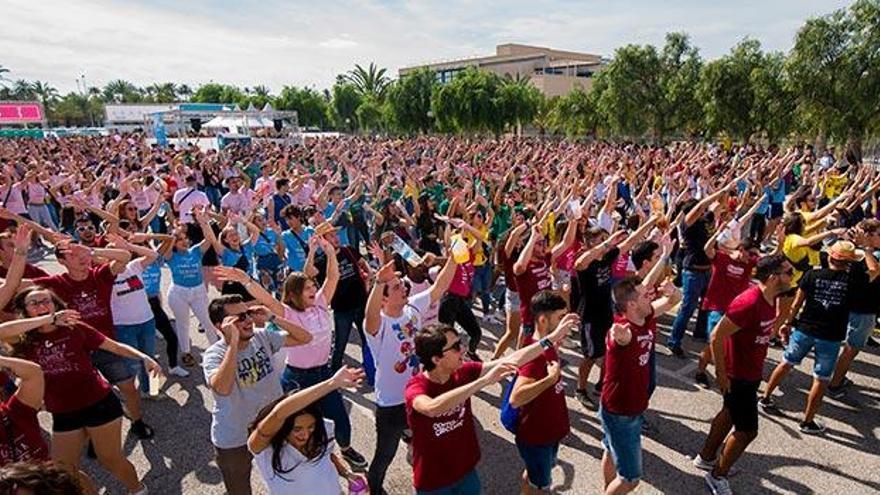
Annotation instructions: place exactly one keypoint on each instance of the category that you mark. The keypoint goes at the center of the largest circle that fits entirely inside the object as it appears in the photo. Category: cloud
(278, 42)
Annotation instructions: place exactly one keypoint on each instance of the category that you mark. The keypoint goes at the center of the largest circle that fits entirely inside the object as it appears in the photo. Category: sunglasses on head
(455, 346)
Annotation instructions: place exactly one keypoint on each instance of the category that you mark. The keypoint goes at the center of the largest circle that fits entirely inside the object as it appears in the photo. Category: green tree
(468, 103)
(517, 102)
(773, 104)
(310, 105)
(161, 93)
(219, 93)
(369, 114)
(410, 100)
(184, 91)
(23, 90)
(120, 91)
(371, 81)
(834, 68)
(679, 109)
(726, 92)
(575, 114)
(345, 99)
(45, 93)
(75, 109)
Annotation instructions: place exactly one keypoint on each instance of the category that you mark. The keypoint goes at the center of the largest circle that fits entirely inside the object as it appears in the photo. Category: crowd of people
(419, 245)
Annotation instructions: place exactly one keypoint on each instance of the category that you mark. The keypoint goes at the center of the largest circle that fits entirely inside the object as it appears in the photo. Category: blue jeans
(143, 338)
(712, 320)
(482, 285)
(693, 286)
(539, 461)
(859, 329)
(825, 353)
(623, 442)
(342, 321)
(331, 404)
(468, 485)
(213, 195)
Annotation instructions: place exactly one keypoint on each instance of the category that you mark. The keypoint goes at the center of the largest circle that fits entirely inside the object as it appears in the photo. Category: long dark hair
(26, 341)
(316, 446)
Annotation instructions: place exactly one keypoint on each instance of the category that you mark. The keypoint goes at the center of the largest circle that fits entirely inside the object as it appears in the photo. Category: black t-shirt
(825, 312)
(351, 292)
(694, 240)
(592, 290)
(865, 294)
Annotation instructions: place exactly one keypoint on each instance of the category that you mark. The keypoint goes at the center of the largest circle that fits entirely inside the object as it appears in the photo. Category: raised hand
(67, 318)
(231, 330)
(348, 377)
(621, 333)
(499, 372)
(386, 273)
(569, 322)
(554, 370)
(22, 239)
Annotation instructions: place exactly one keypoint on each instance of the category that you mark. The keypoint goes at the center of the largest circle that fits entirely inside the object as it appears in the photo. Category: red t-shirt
(30, 271)
(91, 297)
(19, 421)
(566, 260)
(534, 279)
(445, 448)
(627, 371)
(463, 279)
(507, 264)
(544, 420)
(620, 268)
(72, 382)
(747, 348)
(729, 278)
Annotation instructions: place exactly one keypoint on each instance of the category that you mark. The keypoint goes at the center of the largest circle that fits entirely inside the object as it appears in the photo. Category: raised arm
(32, 384)
(261, 295)
(373, 311)
(444, 280)
(332, 278)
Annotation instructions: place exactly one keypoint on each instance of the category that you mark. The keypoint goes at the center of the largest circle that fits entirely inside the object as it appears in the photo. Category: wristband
(272, 317)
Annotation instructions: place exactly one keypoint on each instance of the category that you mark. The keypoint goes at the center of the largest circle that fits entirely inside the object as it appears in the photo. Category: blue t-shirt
(777, 194)
(186, 267)
(342, 222)
(152, 277)
(233, 258)
(296, 250)
(266, 243)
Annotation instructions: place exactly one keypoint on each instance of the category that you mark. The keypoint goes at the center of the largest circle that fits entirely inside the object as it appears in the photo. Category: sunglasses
(38, 302)
(455, 346)
(247, 315)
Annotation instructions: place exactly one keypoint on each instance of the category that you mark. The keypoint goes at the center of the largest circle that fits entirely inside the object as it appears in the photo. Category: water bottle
(357, 486)
(460, 252)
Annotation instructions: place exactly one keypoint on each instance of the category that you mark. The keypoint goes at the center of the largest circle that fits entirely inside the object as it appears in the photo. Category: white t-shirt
(185, 201)
(317, 476)
(431, 314)
(129, 302)
(13, 201)
(394, 351)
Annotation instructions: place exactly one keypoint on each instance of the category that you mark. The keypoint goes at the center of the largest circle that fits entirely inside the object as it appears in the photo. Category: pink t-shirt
(13, 201)
(36, 193)
(316, 320)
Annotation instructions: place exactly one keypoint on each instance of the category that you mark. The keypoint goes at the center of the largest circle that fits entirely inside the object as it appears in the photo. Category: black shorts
(593, 338)
(98, 414)
(742, 403)
(776, 211)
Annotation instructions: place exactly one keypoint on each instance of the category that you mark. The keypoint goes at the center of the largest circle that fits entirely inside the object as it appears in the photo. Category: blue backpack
(509, 414)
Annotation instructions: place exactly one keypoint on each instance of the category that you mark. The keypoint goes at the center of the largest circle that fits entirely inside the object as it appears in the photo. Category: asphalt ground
(845, 460)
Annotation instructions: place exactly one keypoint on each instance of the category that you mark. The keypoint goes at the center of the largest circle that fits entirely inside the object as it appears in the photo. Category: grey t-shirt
(257, 383)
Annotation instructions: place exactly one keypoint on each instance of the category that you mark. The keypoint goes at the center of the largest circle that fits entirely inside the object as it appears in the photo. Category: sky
(278, 43)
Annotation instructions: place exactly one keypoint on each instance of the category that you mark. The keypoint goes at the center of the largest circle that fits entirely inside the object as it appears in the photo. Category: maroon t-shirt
(544, 420)
(627, 369)
(72, 382)
(91, 297)
(463, 279)
(507, 265)
(534, 279)
(20, 435)
(445, 448)
(747, 348)
(30, 271)
(729, 278)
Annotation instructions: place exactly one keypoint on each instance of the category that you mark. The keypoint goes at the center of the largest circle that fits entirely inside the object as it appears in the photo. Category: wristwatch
(272, 317)
(545, 343)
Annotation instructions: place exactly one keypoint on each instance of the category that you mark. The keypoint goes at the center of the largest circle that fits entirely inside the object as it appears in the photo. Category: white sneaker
(719, 486)
(703, 464)
(178, 371)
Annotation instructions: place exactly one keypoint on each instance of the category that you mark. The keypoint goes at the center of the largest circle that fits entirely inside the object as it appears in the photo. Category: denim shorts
(469, 484)
(825, 353)
(623, 441)
(116, 369)
(860, 327)
(539, 461)
(712, 320)
(511, 301)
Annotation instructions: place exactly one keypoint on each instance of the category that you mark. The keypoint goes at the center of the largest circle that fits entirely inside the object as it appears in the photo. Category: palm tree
(371, 81)
(120, 91)
(261, 91)
(22, 90)
(184, 91)
(3, 70)
(45, 93)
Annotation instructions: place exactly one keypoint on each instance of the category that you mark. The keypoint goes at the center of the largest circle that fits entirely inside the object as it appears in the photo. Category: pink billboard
(20, 112)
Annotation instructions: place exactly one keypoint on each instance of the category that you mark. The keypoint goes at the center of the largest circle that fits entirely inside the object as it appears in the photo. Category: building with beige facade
(553, 72)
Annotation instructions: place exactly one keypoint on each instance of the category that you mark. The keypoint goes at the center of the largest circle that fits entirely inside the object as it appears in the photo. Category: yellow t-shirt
(796, 253)
(477, 245)
(834, 185)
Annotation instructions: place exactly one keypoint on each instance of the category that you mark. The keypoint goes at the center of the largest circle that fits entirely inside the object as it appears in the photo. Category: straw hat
(324, 228)
(845, 251)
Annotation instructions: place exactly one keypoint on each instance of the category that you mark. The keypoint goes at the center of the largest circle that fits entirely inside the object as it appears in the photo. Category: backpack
(509, 414)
